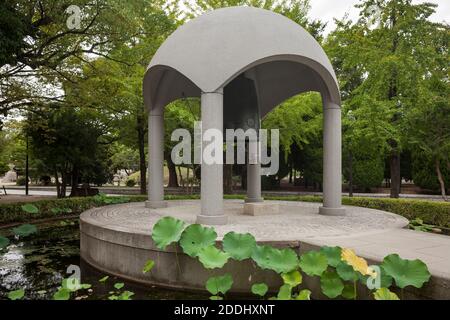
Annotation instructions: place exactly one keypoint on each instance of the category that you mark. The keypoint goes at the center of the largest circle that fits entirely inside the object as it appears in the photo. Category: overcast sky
(326, 10)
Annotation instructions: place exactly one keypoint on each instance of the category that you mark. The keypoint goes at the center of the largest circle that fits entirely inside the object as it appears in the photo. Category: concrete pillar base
(212, 220)
(254, 200)
(155, 204)
(332, 211)
(261, 209)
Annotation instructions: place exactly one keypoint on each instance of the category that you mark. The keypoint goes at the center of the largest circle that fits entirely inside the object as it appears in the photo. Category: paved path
(38, 190)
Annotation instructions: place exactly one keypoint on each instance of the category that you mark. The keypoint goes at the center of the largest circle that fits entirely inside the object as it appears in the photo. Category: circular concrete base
(117, 239)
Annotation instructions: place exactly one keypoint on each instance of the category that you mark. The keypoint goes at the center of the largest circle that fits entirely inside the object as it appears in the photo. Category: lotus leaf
(16, 294)
(293, 278)
(148, 266)
(304, 295)
(406, 272)
(240, 246)
(313, 263)
(278, 260)
(331, 284)
(385, 294)
(167, 231)
(212, 258)
(220, 284)
(285, 292)
(260, 289)
(25, 230)
(196, 237)
(333, 255)
(346, 272)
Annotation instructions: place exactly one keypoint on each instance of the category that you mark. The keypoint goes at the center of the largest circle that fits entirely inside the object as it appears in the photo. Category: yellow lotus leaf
(357, 263)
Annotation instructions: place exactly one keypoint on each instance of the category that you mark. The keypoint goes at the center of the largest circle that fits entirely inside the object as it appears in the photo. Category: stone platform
(117, 240)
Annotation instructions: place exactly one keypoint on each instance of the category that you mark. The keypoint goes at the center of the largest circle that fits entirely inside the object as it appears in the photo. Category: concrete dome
(210, 51)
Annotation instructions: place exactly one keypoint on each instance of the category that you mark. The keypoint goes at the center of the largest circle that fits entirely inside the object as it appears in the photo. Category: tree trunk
(141, 131)
(395, 174)
(228, 178)
(173, 178)
(74, 181)
(441, 179)
(62, 193)
(244, 177)
(180, 174)
(350, 175)
(58, 185)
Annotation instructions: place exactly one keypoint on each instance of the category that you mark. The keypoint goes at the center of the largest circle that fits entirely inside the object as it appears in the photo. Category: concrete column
(212, 174)
(156, 159)
(332, 161)
(253, 173)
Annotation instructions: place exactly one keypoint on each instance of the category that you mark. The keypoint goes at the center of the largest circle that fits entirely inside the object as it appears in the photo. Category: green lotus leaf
(313, 263)
(25, 230)
(346, 272)
(304, 295)
(212, 258)
(278, 260)
(196, 237)
(62, 294)
(240, 246)
(285, 292)
(167, 231)
(126, 295)
(293, 278)
(333, 255)
(104, 279)
(260, 289)
(386, 280)
(261, 256)
(119, 285)
(349, 291)
(331, 284)
(16, 294)
(30, 208)
(385, 294)
(406, 272)
(215, 298)
(220, 284)
(4, 242)
(148, 266)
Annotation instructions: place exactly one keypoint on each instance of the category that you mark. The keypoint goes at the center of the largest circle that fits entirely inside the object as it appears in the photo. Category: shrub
(56, 208)
(131, 183)
(430, 212)
(21, 181)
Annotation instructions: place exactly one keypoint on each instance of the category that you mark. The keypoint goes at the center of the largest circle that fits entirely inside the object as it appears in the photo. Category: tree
(429, 127)
(391, 58)
(70, 145)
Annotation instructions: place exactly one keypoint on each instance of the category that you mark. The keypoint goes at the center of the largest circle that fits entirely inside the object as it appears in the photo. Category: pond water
(38, 263)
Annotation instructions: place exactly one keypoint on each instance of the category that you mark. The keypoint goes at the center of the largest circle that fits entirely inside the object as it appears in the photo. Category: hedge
(431, 212)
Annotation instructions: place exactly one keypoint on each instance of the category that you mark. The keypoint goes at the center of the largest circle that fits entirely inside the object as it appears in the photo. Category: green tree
(388, 61)
(70, 145)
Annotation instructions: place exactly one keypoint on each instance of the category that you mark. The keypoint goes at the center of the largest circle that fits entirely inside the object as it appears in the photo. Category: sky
(326, 10)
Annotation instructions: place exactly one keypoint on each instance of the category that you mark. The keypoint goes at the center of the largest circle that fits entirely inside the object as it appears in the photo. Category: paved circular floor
(295, 221)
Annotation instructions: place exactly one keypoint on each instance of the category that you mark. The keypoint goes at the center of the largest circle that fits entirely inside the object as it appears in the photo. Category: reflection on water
(38, 264)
